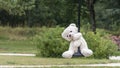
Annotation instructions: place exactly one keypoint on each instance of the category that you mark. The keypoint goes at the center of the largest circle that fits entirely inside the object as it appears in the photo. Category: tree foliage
(108, 12)
(58, 12)
(16, 7)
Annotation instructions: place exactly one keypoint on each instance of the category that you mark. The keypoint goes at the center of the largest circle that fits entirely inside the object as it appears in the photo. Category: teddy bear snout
(70, 35)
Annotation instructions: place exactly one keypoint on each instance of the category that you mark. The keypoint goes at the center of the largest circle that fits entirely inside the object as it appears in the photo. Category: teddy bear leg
(86, 52)
(67, 54)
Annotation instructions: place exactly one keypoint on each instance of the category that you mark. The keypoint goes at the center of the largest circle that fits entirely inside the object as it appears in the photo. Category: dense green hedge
(50, 43)
(102, 47)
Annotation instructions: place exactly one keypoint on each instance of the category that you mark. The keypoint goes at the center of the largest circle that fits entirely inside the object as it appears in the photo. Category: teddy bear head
(68, 33)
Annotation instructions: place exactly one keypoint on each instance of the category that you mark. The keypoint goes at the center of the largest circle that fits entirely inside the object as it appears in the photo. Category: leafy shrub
(50, 43)
(101, 46)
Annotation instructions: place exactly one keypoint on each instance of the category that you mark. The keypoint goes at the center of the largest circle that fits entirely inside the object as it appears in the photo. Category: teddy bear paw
(87, 52)
(67, 54)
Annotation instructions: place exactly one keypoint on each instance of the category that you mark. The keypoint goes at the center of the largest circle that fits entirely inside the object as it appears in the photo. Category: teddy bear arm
(77, 36)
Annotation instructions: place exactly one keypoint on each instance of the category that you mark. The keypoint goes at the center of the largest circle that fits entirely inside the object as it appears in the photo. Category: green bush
(102, 47)
(50, 43)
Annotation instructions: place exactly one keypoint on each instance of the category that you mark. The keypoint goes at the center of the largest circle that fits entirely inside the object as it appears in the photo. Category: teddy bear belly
(74, 46)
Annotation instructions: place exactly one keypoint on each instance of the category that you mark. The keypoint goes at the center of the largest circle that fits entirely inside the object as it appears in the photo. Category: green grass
(17, 60)
(17, 46)
(17, 40)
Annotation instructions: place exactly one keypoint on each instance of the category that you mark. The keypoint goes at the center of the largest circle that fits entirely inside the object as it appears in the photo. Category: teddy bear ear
(72, 24)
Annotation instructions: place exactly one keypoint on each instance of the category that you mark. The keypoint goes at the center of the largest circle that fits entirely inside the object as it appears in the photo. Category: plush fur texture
(76, 39)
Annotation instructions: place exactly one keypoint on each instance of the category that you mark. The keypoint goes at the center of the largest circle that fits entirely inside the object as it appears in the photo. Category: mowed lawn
(18, 60)
(17, 46)
(14, 42)
(26, 46)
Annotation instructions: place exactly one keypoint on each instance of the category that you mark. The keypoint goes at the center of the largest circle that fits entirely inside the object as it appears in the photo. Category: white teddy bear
(76, 39)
